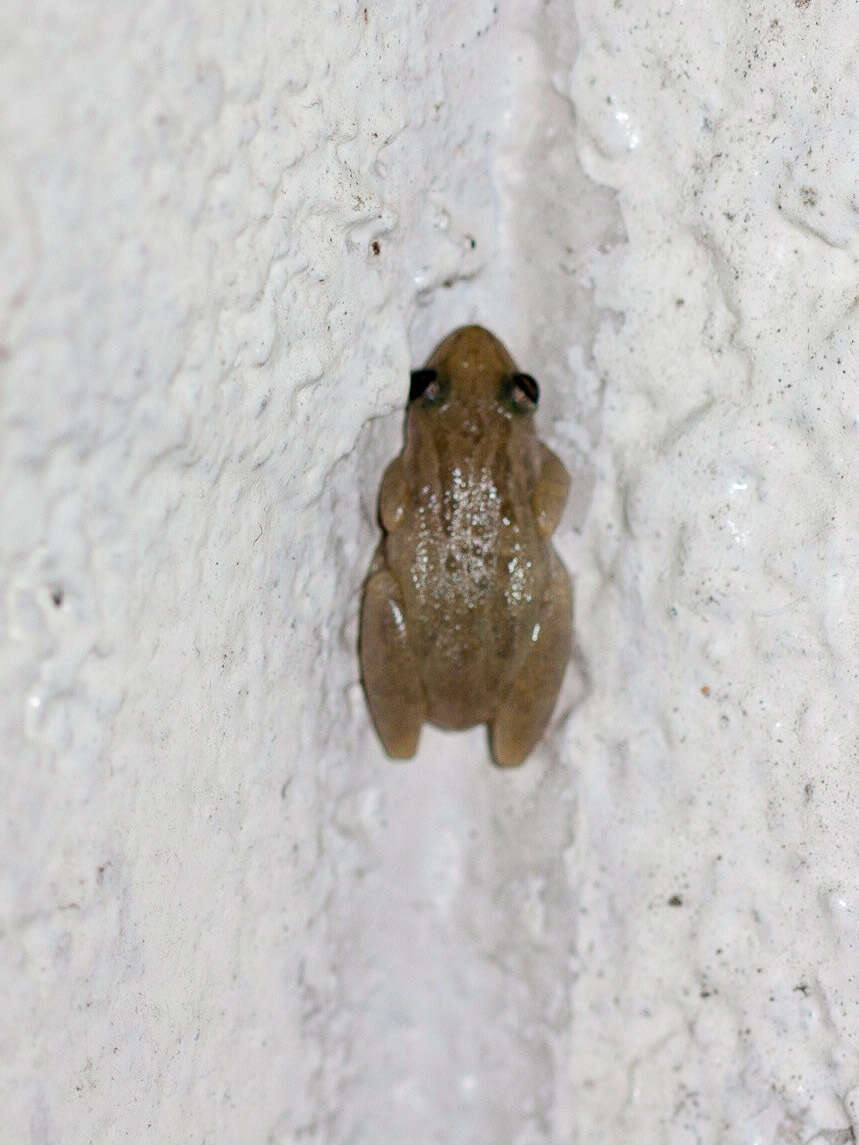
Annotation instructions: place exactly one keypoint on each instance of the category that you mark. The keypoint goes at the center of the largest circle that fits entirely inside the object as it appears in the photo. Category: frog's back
(471, 564)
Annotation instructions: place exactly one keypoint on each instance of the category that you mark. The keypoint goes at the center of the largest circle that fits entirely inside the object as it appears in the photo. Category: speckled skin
(467, 609)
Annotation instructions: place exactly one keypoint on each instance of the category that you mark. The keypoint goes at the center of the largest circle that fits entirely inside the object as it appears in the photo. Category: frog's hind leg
(389, 667)
(525, 711)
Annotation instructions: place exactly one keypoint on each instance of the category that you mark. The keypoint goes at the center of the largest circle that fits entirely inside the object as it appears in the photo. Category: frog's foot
(390, 669)
(525, 711)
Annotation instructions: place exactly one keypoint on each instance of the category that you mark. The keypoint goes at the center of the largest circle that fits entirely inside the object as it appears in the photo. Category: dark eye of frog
(522, 390)
(426, 384)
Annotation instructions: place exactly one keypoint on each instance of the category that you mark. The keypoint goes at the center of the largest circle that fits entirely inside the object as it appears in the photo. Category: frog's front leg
(389, 666)
(393, 496)
(550, 494)
(525, 711)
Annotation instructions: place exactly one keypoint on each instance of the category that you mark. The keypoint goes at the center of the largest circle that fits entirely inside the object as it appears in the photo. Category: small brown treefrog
(467, 608)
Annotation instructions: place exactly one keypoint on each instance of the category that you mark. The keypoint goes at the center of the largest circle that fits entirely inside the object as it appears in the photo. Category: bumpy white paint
(225, 916)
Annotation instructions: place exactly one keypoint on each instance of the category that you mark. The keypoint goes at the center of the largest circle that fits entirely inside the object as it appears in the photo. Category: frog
(467, 608)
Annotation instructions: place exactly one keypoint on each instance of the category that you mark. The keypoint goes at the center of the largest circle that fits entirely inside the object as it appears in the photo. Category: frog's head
(471, 380)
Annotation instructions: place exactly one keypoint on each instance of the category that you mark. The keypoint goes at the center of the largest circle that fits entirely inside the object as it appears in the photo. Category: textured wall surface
(227, 232)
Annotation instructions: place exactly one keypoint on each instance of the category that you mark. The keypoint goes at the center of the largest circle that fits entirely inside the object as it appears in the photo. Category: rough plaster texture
(227, 231)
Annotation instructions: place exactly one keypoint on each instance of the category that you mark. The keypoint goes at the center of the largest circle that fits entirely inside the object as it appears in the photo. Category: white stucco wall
(224, 915)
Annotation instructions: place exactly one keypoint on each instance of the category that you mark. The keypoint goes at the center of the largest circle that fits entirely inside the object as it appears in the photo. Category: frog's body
(467, 612)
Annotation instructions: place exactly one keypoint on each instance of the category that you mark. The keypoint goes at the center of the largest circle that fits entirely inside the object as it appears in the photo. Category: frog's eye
(524, 392)
(425, 384)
